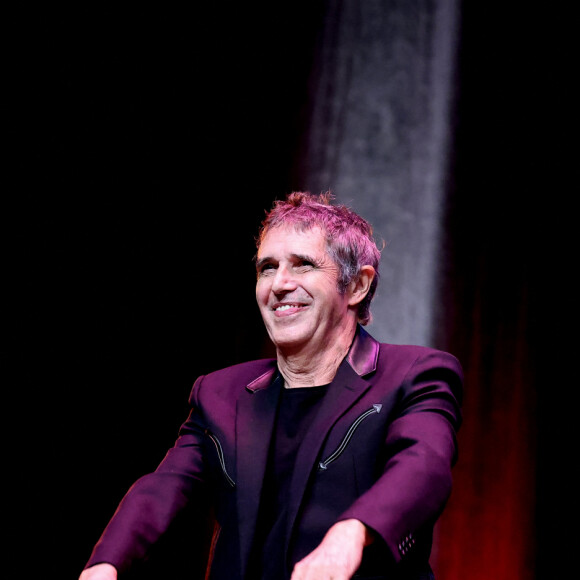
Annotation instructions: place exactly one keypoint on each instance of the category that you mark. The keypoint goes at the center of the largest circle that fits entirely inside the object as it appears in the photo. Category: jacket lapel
(347, 387)
(255, 423)
(254, 427)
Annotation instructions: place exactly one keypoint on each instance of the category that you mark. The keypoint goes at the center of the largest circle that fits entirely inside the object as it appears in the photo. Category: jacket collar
(363, 353)
(362, 358)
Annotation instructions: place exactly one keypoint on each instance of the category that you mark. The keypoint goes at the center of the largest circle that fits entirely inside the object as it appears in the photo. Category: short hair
(349, 237)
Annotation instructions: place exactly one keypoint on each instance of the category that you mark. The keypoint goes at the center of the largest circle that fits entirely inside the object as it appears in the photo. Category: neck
(305, 368)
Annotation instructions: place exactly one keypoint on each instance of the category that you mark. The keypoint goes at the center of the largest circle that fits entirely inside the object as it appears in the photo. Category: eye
(265, 267)
(304, 265)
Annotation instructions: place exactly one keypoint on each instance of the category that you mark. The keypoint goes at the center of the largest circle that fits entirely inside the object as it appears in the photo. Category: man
(333, 459)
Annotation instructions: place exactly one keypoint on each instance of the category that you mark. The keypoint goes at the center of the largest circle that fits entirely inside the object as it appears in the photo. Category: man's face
(297, 290)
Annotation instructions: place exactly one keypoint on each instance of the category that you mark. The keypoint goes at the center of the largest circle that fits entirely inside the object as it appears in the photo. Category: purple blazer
(380, 450)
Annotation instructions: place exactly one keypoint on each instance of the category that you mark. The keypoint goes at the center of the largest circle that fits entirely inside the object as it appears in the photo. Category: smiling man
(332, 460)
(309, 318)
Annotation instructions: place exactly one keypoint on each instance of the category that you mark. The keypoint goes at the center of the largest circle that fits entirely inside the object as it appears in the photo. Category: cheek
(261, 292)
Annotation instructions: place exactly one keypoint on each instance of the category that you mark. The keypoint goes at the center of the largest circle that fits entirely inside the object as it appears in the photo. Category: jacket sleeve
(154, 500)
(421, 449)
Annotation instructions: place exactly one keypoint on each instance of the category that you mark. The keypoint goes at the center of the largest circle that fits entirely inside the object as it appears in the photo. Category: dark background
(145, 145)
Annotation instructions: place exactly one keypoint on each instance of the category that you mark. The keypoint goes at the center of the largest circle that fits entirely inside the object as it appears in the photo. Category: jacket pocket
(221, 458)
(323, 465)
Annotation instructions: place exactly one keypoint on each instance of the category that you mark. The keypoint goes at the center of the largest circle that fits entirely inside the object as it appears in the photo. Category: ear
(360, 287)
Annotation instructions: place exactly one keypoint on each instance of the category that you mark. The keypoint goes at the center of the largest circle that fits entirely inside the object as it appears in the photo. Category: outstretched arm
(99, 572)
(339, 554)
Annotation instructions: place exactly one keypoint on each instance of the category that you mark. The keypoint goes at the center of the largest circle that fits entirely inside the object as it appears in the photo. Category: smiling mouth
(285, 307)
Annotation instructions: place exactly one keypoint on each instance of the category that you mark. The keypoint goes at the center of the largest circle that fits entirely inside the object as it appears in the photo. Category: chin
(285, 340)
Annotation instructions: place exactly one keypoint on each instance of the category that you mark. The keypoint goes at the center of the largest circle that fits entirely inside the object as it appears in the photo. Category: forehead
(289, 240)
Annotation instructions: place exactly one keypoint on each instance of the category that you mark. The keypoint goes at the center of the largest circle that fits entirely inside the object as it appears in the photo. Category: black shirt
(296, 410)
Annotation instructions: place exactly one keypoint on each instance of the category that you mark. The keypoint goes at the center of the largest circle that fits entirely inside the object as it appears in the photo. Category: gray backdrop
(381, 95)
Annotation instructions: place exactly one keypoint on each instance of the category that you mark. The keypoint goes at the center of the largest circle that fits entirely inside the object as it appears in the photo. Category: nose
(283, 281)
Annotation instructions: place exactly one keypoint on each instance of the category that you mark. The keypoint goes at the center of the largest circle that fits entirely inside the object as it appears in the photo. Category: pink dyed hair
(349, 237)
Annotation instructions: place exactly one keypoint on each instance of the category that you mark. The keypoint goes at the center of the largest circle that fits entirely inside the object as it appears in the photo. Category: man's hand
(99, 572)
(339, 554)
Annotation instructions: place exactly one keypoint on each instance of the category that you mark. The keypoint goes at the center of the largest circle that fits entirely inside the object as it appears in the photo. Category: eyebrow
(296, 257)
(262, 261)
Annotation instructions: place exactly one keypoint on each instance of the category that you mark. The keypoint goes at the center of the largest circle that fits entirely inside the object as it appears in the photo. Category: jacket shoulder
(248, 370)
(368, 355)
(412, 353)
(408, 362)
(234, 377)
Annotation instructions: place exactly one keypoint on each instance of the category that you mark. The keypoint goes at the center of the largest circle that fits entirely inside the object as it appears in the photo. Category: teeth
(283, 307)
